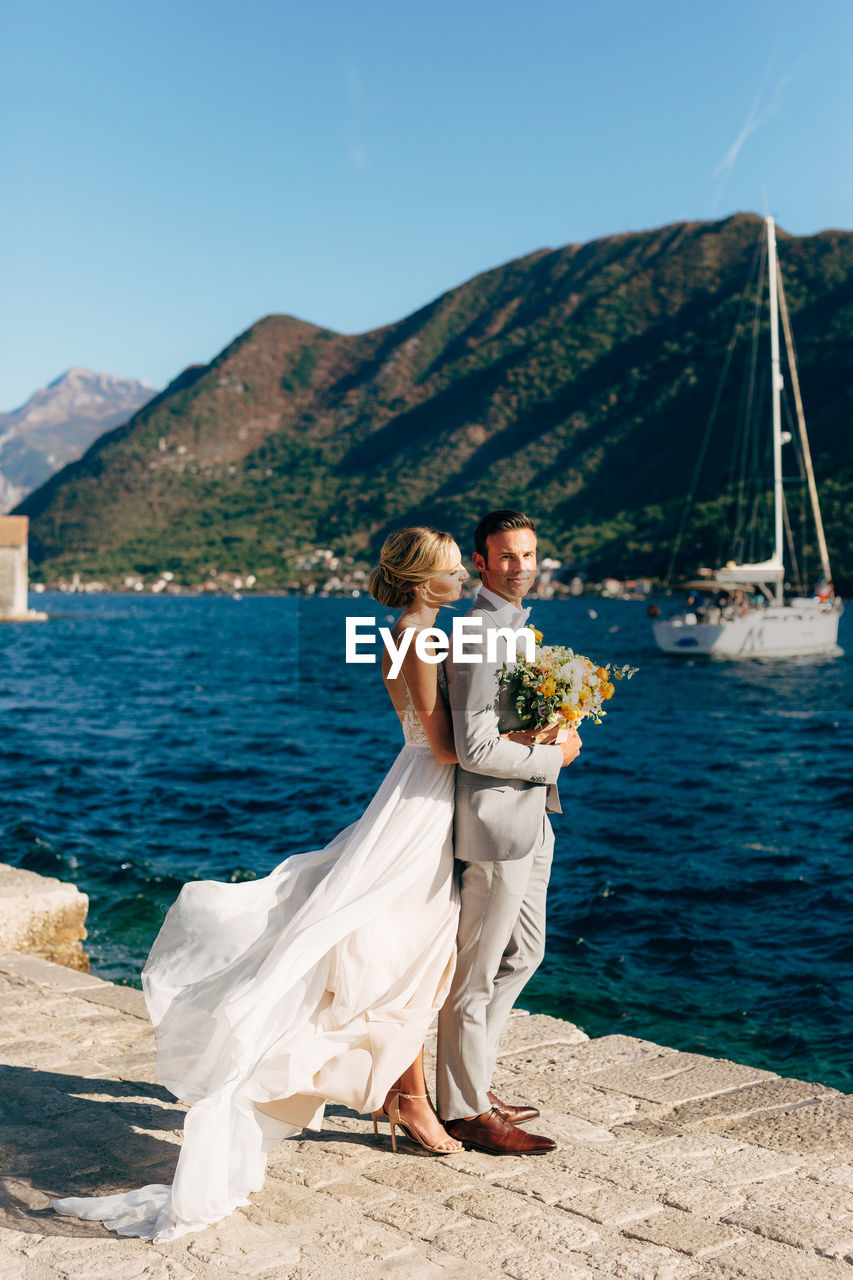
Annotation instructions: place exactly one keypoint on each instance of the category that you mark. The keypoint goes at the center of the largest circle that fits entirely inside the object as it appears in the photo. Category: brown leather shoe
(515, 1115)
(492, 1132)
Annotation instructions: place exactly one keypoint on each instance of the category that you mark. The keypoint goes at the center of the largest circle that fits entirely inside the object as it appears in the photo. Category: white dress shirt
(506, 614)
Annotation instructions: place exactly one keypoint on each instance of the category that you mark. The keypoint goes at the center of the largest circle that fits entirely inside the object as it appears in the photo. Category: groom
(503, 844)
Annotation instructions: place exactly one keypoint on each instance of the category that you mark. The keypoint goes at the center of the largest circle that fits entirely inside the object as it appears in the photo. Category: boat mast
(776, 383)
(804, 440)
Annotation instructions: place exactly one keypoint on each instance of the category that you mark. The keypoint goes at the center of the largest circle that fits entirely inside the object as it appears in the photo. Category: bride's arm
(422, 679)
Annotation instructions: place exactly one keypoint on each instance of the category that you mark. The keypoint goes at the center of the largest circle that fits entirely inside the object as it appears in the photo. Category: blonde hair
(408, 556)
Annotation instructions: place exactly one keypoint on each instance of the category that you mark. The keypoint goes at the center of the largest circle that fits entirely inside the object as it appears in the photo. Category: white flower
(573, 672)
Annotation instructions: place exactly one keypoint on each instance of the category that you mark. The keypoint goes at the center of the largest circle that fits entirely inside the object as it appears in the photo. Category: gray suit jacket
(502, 788)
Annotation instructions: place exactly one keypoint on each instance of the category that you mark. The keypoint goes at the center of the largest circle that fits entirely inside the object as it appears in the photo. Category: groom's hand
(543, 736)
(571, 747)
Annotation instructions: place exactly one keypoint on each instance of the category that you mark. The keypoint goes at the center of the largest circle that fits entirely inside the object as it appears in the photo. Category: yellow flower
(537, 635)
(547, 687)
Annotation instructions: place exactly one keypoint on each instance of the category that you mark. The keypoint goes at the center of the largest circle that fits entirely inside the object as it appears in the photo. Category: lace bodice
(414, 734)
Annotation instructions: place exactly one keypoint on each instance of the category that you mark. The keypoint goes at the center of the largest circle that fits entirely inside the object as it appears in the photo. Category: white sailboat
(751, 617)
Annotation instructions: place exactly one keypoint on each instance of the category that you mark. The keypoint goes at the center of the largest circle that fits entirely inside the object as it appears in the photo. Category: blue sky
(174, 170)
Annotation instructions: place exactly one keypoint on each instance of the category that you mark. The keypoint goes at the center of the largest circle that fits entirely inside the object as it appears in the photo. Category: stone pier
(42, 916)
(670, 1165)
(14, 534)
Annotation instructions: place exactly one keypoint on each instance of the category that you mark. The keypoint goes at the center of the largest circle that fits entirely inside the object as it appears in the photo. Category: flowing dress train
(316, 984)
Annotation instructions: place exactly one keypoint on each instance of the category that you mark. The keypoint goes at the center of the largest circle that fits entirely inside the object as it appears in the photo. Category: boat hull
(787, 631)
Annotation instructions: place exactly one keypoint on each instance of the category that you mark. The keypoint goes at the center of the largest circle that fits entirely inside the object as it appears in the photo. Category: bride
(319, 982)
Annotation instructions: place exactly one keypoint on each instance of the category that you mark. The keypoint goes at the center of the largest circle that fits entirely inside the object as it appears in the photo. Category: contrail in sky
(757, 116)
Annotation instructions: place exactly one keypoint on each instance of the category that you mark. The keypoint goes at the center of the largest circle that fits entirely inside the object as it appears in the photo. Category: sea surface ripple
(701, 894)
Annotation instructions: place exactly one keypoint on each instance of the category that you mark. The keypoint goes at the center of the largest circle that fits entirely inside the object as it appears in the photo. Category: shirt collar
(505, 612)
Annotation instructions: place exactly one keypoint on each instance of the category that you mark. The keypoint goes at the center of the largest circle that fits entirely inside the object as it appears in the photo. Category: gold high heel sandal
(391, 1111)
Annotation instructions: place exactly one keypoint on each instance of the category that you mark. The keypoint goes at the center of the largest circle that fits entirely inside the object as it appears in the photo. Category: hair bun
(408, 556)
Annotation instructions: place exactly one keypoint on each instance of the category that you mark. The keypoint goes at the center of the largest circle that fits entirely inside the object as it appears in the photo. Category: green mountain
(573, 383)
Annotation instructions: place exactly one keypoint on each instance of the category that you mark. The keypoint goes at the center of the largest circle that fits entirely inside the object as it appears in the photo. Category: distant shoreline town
(323, 574)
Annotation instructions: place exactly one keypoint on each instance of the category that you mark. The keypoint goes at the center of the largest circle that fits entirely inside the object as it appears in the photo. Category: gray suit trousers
(500, 944)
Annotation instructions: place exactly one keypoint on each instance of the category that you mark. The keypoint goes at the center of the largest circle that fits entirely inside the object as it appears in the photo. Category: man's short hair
(499, 522)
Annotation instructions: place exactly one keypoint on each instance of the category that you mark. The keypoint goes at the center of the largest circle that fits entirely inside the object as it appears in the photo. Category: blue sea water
(701, 893)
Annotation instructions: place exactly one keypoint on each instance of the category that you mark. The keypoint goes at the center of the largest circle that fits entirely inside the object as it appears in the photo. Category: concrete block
(752, 1164)
(358, 1152)
(133, 1066)
(421, 1177)
(43, 972)
(419, 1218)
(809, 1129)
(413, 1265)
(490, 1204)
(547, 1266)
(479, 1164)
(535, 1030)
(555, 1186)
(697, 1195)
(619, 1258)
(124, 999)
(603, 1164)
(685, 1233)
(358, 1193)
(237, 1247)
(648, 1171)
(24, 1051)
(455, 1268)
(829, 1239)
(792, 1194)
(42, 916)
(571, 1129)
(577, 1098)
(105, 1258)
(478, 1243)
(552, 1090)
(613, 1207)
(529, 1234)
(557, 1230)
(759, 1259)
(312, 1169)
(678, 1077)
(526, 1228)
(590, 1056)
(409, 1264)
(755, 1099)
(640, 1135)
(688, 1153)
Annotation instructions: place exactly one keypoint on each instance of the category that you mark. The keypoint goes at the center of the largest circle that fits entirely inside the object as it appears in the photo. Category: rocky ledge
(42, 917)
(670, 1166)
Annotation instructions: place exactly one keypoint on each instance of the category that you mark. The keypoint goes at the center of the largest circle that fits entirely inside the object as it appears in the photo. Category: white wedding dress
(316, 984)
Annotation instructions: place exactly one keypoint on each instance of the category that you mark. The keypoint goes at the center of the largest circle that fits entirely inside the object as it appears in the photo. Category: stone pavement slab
(758, 1259)
(752, 1100)
(808, 1128)
(678, 1077)
(670, 1166)
(686, 1233)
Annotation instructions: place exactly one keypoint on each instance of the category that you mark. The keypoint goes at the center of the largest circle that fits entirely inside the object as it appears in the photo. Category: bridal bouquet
(561, 687)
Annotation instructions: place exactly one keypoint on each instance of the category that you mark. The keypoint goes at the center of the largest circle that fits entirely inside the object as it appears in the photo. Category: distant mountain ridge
(58, 423)
(573, 383)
